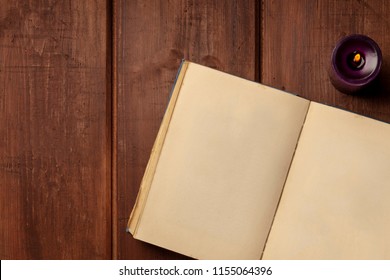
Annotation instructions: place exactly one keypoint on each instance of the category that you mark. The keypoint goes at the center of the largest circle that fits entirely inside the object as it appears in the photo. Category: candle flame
(357, 58)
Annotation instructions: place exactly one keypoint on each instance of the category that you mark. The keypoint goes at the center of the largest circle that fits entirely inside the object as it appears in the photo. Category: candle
(355, 64)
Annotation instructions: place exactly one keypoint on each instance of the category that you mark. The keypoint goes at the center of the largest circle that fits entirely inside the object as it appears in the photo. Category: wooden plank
(298, 38)
(152, 38)
(54, 133)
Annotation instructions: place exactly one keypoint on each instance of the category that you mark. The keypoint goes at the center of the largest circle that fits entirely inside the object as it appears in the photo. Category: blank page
(336, 202)
(222, 167)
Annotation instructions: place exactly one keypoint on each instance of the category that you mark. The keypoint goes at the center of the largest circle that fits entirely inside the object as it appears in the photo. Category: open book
(240, 170)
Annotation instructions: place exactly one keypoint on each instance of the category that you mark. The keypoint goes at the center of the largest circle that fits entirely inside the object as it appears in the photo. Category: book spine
(147, 180)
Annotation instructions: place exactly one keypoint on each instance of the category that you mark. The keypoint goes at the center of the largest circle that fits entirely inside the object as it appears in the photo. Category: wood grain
(297, 40)
(54, 130)
(55, 100)
(152, 37)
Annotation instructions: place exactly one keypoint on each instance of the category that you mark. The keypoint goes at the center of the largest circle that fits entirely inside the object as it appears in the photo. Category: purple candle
(356, 62)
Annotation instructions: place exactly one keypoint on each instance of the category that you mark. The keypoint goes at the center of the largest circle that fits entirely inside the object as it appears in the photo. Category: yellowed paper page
(222, 167)
(155, 154)
(336, 201)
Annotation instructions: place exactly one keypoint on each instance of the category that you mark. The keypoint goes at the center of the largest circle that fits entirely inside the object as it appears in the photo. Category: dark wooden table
(84, 86)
